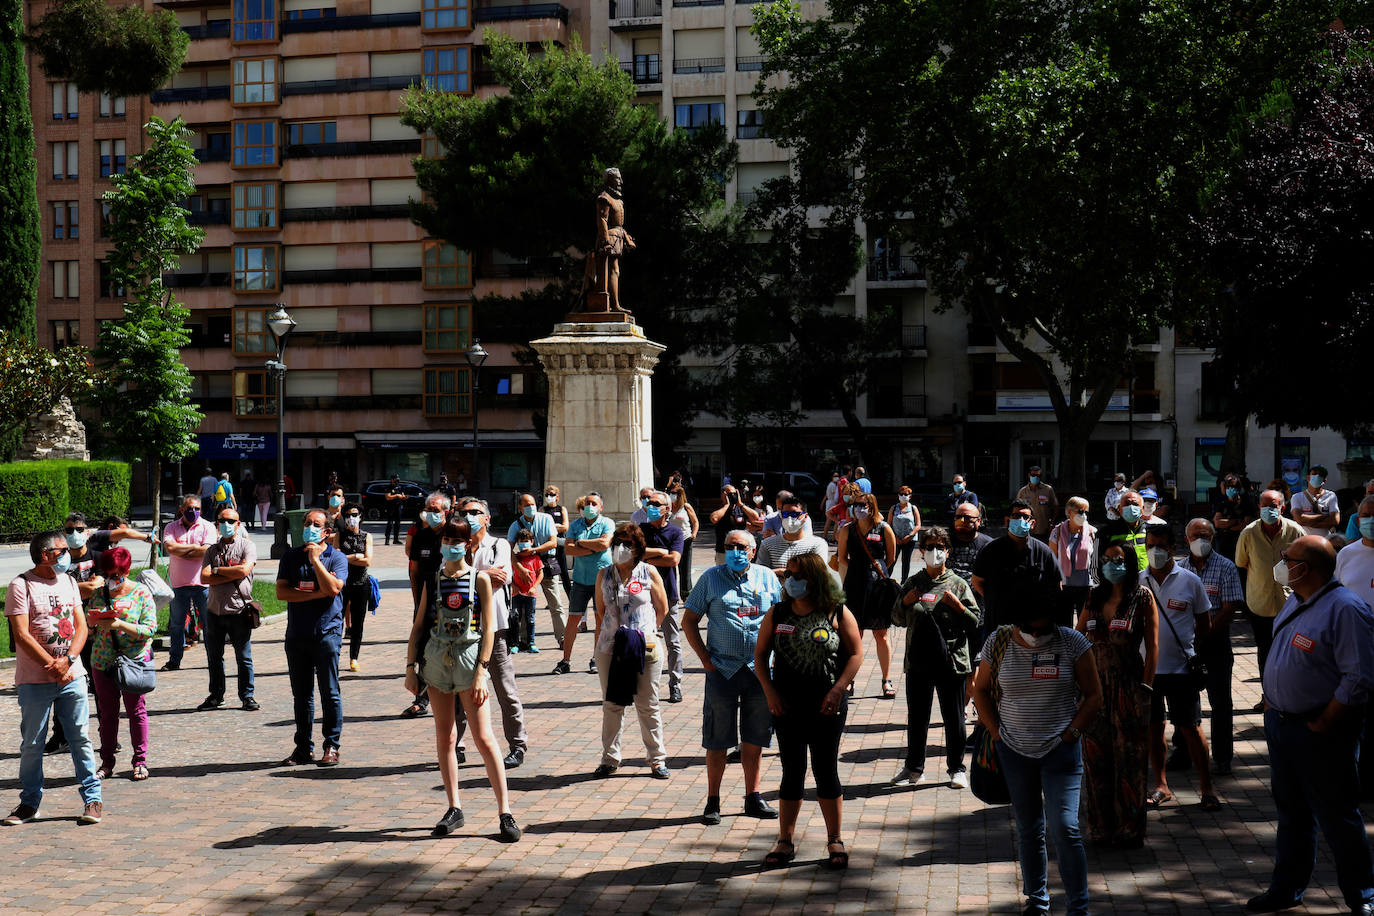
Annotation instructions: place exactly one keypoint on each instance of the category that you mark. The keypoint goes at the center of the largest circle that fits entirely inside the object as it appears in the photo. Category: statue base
(600, 435)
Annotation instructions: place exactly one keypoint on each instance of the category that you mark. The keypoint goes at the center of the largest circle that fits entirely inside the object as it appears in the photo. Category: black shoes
(210, 703)
(171, 666)
(1271, 902)
(711, 816)
(755, 806)
(674, 694)
(603, 771)
(451, 821)
(461, 753)
(562, 667)
(56, 745)
(251, 705)
(510, 831)
(591, 666)
(514, 759)
(660, 772)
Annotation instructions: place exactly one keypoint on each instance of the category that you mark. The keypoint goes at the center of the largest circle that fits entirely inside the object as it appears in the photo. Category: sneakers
(562, 667)
(251, 705)
(352, 664)
(958, 779)
(755, 806)
(660, 772)
(530, 648)
(513, 648)
(210, 703)
(591, 666)
(674, 694)
(461, 753)
(603, 771)
(56, 745)
(711, 816)
(510, 831)
(451, 821)
(907, 777)
(92, 813)
(21, 815)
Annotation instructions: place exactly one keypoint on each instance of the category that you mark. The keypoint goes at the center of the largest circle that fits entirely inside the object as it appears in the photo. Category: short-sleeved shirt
(1355, 569)
(1112, 501)
(775, 552)
(1043, 504)
(424, 551)
(1241, 509)
(228, 493)
(1257, 553)
(231, 597)
(668, 538)
(735, 604)
(587, 566)
(52, 606)
(139, 610)
(1181, 596)
(314, 617)
(181, 570)
(541, 526)
(1303, 503)
(532, 565)
(955, 500)
(1117, 533)
(394, 506)
(207, 488)
(963, 554)
(1220, 580)
(1325, 653)
(1039, 691)
(1003, 568)
(494, 553)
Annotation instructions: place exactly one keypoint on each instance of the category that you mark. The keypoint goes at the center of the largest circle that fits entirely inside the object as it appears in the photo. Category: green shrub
(97, 489)
(33, 498)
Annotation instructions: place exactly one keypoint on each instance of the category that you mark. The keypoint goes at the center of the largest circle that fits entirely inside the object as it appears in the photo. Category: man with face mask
(425, 558)
(640, 516)
(960, 494)
(794, 538)
(228, 571)
(1129, 530)
(544, 534)
(589, 546)
(1015, 557)
(1355, 562)
(186, 538)
(663, 544)
(1316, 508)
(772, 522)
(1043, 502)
(1259, 547)
(1318, 679)
(1221, 582)
(1149, 506)
(966, 541)
(1231, 513)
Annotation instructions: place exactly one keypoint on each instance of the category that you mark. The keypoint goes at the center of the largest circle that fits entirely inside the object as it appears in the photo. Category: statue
(601, 282)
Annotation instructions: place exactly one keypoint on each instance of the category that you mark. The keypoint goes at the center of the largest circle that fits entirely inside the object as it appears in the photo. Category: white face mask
(903, 498)
(1120, 484)
(550, 500)
(935, 557)
(758, 500)
(1159, 557)
(1037, 642)
(1149, 508)
(621, 554)
(1281, 572)
(792, 525)
(1201, 548)
(352, 522)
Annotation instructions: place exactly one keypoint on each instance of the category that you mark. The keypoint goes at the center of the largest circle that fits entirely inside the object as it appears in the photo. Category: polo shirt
(1355, 569)
(1001, 567)
(1117, 533)
(232, 597)
(1257, 553)
(669, 538)
(1220, 580)
(1325, 502)
(1180, 597)
(777, 550)
(1326, 653)
(734, 603)
(541, 526)
(180, 570)
(586, 567)
(314, 617)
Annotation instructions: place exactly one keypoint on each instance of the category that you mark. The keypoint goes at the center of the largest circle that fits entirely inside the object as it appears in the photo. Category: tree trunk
(1233, 453)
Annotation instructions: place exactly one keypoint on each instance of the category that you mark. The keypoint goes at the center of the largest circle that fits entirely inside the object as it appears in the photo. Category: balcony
(626, 15)
(327, 214)
(885, 406)
(350, 23)
(353, 275)
(644, 70)
(897, 271)
(389, 402)
(190, 94)
(212, 155)
(352, 84)
(751, 63)
(208, 218)
(913, 338)
(699, 65)
(518, 12)
(351, 148)
(688, 3)
(217, 29)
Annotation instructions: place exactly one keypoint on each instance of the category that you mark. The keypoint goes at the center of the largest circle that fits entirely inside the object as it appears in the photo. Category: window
(109, 287)
(255, 268)
(251, 334)
(255, 393)
(64, 160)
(255, 20)
(111, 106)
(105, 210)
(255, 143)
(255, 205)
(66, 279)
(749, 124)
(323, 13)
(446, 69)
(312, 132)
(699, 114)
(64, 220)
(431, 147)
(444, 14)
(447, 327)
(255, 80)
(64, 99)
(66, 333)
(447, 392)
(112, 160)
(445, 267)
(508, 384)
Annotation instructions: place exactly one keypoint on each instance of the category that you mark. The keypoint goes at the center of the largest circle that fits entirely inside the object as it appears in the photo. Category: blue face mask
(1114, 571)
(653, 513)
(226, 529)
(76, 540)
(1269, 515)
(454, 552)
(312, 534)
(432, 519)
(335, 502)
(1231, 492)
(1131, 513)
(474, 520)
(1035, 480)
(1316, 480)
(63, 563)
(528, 511)
(1020, 527)
(1367, 527)
(795, 586)
(644, 502)
(737, 559)
(958, 488)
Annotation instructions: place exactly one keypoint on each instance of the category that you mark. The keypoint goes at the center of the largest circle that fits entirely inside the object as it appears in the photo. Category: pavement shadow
(612, 825)
(315, 835)
(560, 704)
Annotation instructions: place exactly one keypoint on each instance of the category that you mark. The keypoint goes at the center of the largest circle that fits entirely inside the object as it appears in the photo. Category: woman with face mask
(1074, 542)
(631, 603)
(940, 612)
(1122, 623)
(356, 544)
(1037, 689)
(905, 520)
(123, 618)
(455, 661)
(866, 549)
(334, 499)
(813, 644)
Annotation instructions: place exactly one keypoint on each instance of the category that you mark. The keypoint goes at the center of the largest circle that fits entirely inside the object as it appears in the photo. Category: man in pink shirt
(186, 538)
(44, 609)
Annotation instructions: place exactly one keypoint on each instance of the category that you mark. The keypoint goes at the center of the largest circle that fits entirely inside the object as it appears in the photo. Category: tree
(120, 51)
(20, 238)
(1050, 157)
(1287, 237)
(146, 410)
(34, 378)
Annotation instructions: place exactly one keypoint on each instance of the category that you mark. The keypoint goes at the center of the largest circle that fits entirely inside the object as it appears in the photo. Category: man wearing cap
(1044, 505)
(1149, 502)
(1316, 508)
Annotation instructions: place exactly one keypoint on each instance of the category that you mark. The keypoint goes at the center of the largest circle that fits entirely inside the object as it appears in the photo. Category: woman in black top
(356, 545)
(815, 649)
(560, 527)
(866, 549)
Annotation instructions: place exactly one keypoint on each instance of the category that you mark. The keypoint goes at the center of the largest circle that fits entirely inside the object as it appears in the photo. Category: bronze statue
(601, 282)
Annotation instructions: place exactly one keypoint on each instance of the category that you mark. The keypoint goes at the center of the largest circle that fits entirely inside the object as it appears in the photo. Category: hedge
(97, 489)
(33, 497)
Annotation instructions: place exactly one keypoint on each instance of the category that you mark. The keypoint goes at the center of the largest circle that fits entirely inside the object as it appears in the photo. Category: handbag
(254, 611)
(882, 591)
(149, 579)
(135, 675)
(986, 779)
(1196, 666)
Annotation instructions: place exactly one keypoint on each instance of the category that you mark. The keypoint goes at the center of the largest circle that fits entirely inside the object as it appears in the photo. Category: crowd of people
(1077, 643)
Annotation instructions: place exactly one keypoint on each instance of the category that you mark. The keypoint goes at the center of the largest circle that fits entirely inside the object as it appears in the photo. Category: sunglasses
(788, 513)
(58, 550)
(73, 530)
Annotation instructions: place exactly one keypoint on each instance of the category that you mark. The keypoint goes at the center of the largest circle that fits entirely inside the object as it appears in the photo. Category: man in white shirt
(1316, 508)
(1355, 562)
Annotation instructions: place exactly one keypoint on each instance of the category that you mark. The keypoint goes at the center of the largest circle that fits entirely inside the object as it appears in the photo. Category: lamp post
(476, 356)
(281, 324)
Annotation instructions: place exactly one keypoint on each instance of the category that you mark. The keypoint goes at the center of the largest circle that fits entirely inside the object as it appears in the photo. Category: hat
(1149, 493)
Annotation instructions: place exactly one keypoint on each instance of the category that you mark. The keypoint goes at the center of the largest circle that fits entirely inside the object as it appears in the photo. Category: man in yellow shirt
(1258, 549)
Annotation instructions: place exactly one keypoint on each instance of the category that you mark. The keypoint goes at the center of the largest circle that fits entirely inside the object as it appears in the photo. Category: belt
(1310, 716)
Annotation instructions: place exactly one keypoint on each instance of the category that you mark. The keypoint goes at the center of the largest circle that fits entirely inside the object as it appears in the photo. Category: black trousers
(919, 690)
(799, 730)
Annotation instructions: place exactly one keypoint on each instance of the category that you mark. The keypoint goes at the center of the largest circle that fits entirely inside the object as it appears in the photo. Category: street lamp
(281, 324)
(476, 356)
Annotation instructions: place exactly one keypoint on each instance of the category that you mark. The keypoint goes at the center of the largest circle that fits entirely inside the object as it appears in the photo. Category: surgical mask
(1269, 515)
(1281, 572)
(475, 521)
(903, 498)
(1114, 571)
(522, 546)
(312, 534)
(62, 563)
(1020, 527)
(1037, 641)
(1232, 492)
(795, 586)
(1119, 484)
(1201, 548)
(792, 525)
(935, 557)
(76, 540)
(644, 502)
(758, 500)
(1035, 479)
(1130, 513)
(527, 511)
(335, 502)
(653, 513)
(226, 529)
(737, 558)
(1078, 518)
(590, 513)
(1367, 527)
(432, 519)
(550, 500)
(1149, 509)
(859, 512)
(191, 516)
(958, 488)
(1316, 481)
(352, 522)
(454, 552)
(1159, 557)
(621, 554)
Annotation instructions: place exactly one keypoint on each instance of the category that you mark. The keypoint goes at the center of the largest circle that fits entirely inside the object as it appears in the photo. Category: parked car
(374, 499)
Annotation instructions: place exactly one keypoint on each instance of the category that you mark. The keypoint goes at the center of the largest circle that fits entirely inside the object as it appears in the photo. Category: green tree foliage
(116, 50)
(146, 410)
(34, 378)
(20, 238)
(1050, 156)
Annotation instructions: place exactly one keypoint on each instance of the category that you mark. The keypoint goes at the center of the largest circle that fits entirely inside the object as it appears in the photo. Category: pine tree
(20, 237)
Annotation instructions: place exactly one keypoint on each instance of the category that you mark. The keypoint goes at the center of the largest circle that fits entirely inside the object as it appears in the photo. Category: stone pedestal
(58, 434)
(600, 411)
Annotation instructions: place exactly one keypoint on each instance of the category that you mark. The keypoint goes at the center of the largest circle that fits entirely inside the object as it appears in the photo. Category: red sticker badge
(454, 600)
(635, 588)
(1304, 643)
(1176, 605)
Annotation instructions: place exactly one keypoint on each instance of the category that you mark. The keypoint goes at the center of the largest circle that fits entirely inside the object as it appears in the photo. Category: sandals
(104, 773)
(140, 773)
(1157, 798)
(782, 855)
(412, 711)
(838, 861)
(1211, 803)
(889, 692)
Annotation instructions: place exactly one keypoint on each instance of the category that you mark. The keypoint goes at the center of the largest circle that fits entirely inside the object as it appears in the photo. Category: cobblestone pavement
(220, 828)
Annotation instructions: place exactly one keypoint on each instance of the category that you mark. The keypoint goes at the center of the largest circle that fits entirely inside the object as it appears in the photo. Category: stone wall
(58, 434)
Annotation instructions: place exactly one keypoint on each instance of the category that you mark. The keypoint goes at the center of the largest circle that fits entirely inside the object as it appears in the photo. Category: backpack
(222, 492)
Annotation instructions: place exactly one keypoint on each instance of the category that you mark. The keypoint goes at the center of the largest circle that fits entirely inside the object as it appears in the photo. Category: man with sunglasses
(966, 540)
(794, 536)
(541, 527)
(663, 544)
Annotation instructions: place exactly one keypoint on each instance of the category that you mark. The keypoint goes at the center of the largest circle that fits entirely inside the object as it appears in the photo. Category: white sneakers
(906, 777)
(958, 779)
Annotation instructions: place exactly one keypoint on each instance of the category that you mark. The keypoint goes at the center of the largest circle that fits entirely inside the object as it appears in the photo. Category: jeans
(183, 599)
(919, 690)
(1315, 783)
(520, 626)
(108, 695)
(238, 630)
(312, 659)
(1058, 776)
(68, 703)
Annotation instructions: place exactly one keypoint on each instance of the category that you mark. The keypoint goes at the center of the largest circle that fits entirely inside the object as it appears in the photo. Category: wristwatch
(485, 663)
(1074, 734)
(413, 666)
(71, 660)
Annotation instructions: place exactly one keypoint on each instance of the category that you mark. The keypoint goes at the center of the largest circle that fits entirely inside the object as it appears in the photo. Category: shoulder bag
(1196, 666)
(986, 779)
(133, 675)
(882, 591)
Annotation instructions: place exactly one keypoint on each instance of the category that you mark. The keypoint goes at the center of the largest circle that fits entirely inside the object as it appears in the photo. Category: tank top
(859, 566)
(351, 542)
(683, 521)
(904, 522)
(806, 652)
(629, 603)
(458, 611)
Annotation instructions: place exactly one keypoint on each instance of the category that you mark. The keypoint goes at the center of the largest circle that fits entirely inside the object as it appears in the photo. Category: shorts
(731, 701)
(578, 598)
(450, 666)
(1183, 699)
